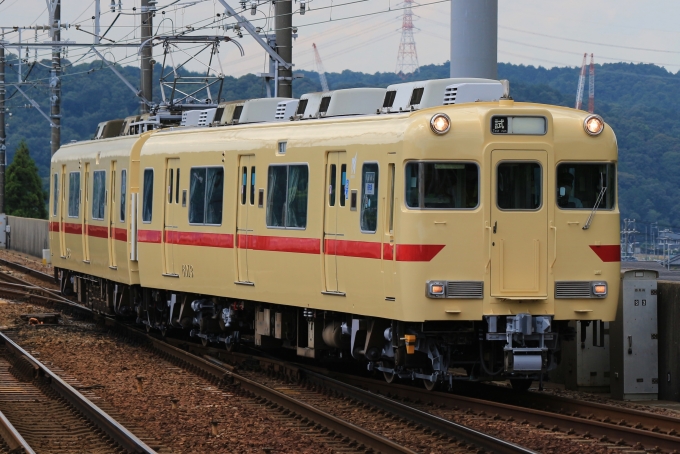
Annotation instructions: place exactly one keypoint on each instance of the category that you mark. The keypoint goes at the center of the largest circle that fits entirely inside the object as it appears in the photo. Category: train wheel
(204, 341)
(232, 347)
(148, 327)
(520, 384)
(429, 384)
(389, 376)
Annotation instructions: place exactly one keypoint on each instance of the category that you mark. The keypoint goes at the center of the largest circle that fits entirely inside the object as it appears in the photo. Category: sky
(364, 35)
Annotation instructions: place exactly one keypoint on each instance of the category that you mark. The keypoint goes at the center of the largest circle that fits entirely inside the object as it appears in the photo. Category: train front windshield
(580, 184)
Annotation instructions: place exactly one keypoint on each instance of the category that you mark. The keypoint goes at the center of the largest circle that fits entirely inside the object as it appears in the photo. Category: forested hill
(638, 101)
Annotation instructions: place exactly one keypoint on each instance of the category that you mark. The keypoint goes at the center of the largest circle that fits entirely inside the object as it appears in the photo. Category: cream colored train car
(460, 236)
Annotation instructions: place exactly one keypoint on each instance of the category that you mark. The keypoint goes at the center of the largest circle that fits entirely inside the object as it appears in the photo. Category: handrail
(552, 226)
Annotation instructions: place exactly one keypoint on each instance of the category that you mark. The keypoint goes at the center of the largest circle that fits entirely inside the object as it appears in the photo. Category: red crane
(320, 69)
(581, 82)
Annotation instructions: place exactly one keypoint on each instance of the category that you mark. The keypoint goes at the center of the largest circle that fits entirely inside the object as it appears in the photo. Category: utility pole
(284, 46)
(55, 77)
(3, 141)
(146, 64)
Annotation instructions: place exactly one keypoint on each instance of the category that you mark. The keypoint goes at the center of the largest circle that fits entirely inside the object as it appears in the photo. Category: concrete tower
(474, 38)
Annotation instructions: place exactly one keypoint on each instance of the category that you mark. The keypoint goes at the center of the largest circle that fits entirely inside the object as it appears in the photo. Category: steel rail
(106, 423)
(13, 438)
(222, 371)
(27, 270)
(591, 427)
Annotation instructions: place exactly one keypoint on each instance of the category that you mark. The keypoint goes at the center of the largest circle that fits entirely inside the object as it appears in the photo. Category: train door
(112, 217)
(62, 213)
(519, 224)
(86, 207)
(388, 255)
(334, 219)
(243, 228)
(171, 219)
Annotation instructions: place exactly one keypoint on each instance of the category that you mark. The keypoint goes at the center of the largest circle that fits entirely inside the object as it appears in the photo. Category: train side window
(123, 193)
(244, 185)
(177, 187)
(287, 189)
(343, 184)
(369, 197)
(147, 201)
(518, 185)
(579, 185)
(171, 173)
(98, 194)
(252, 185)
(331, 186)
(55, 194)
(442, 185)
(206, 192)
(74, 194)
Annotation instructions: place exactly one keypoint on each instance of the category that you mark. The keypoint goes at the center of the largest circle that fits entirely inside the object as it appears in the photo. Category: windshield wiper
(597, 204)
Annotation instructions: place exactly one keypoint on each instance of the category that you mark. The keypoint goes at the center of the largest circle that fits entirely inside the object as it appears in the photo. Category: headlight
(599, 289)
(440, 123)
(593, 124)
(436, 289)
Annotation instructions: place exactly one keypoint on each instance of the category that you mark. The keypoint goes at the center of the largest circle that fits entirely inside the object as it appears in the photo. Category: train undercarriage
(520, 348)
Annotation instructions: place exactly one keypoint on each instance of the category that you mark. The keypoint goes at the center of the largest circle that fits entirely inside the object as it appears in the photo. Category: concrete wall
(29, 236)
(668, 301)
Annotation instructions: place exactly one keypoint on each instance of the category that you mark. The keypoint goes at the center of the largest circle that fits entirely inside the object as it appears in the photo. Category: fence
(29, 236)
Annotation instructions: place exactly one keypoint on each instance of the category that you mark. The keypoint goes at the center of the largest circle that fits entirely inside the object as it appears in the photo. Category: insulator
(253, 8)
(113, 6)
(243, 4)
(303, 7)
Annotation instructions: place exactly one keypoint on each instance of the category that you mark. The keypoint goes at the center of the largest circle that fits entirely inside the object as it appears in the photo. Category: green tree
(24, 195)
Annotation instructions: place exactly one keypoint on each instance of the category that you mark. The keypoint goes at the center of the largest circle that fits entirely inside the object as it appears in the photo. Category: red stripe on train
(607, 252)
(54, 226)
(280, 244)
(346, 248)
(98, 231)
(119, 234)
(149, 236)
(417, 252)
(76, 229)
(221, 240)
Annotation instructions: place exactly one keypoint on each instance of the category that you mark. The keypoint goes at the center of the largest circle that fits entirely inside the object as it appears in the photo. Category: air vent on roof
(259, 110)
(237, 114)
(389, 98)
(416, 96)
(286, 109)
(428, 93)
(325, 102)
(352, 101)
(302, 106)
(190, 117)
(473, 92)
(206, 117)
(218, 114)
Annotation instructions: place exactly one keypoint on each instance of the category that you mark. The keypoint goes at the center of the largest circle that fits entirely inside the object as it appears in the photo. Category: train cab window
(244, 185)
(442, 185)
(518, 185)
(74, 194)
(369, 197)
(123, 193)
(252, 185)
(579, 185)
(55, 193)
(147, 201)
(206, 192)
(343, 184)
(287, 188)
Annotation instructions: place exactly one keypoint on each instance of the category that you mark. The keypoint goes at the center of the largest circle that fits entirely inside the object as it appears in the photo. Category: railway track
(49, 414)
(601, 423)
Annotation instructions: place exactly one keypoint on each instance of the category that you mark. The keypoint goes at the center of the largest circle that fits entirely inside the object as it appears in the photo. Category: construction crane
(581, 83)
(591, 85)
(319, 69)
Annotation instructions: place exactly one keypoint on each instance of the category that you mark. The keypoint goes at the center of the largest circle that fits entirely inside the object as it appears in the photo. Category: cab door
(335, 208)
(519, 224)
(170, 232)
(244, 208)
(112, 216)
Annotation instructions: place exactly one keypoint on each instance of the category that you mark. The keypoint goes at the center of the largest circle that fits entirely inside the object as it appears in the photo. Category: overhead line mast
(320, 69)
(581, 83)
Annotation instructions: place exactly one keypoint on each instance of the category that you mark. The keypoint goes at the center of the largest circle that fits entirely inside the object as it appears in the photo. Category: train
(432, 231)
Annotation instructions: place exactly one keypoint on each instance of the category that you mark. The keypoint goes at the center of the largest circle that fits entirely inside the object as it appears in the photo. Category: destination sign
(506, 124)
